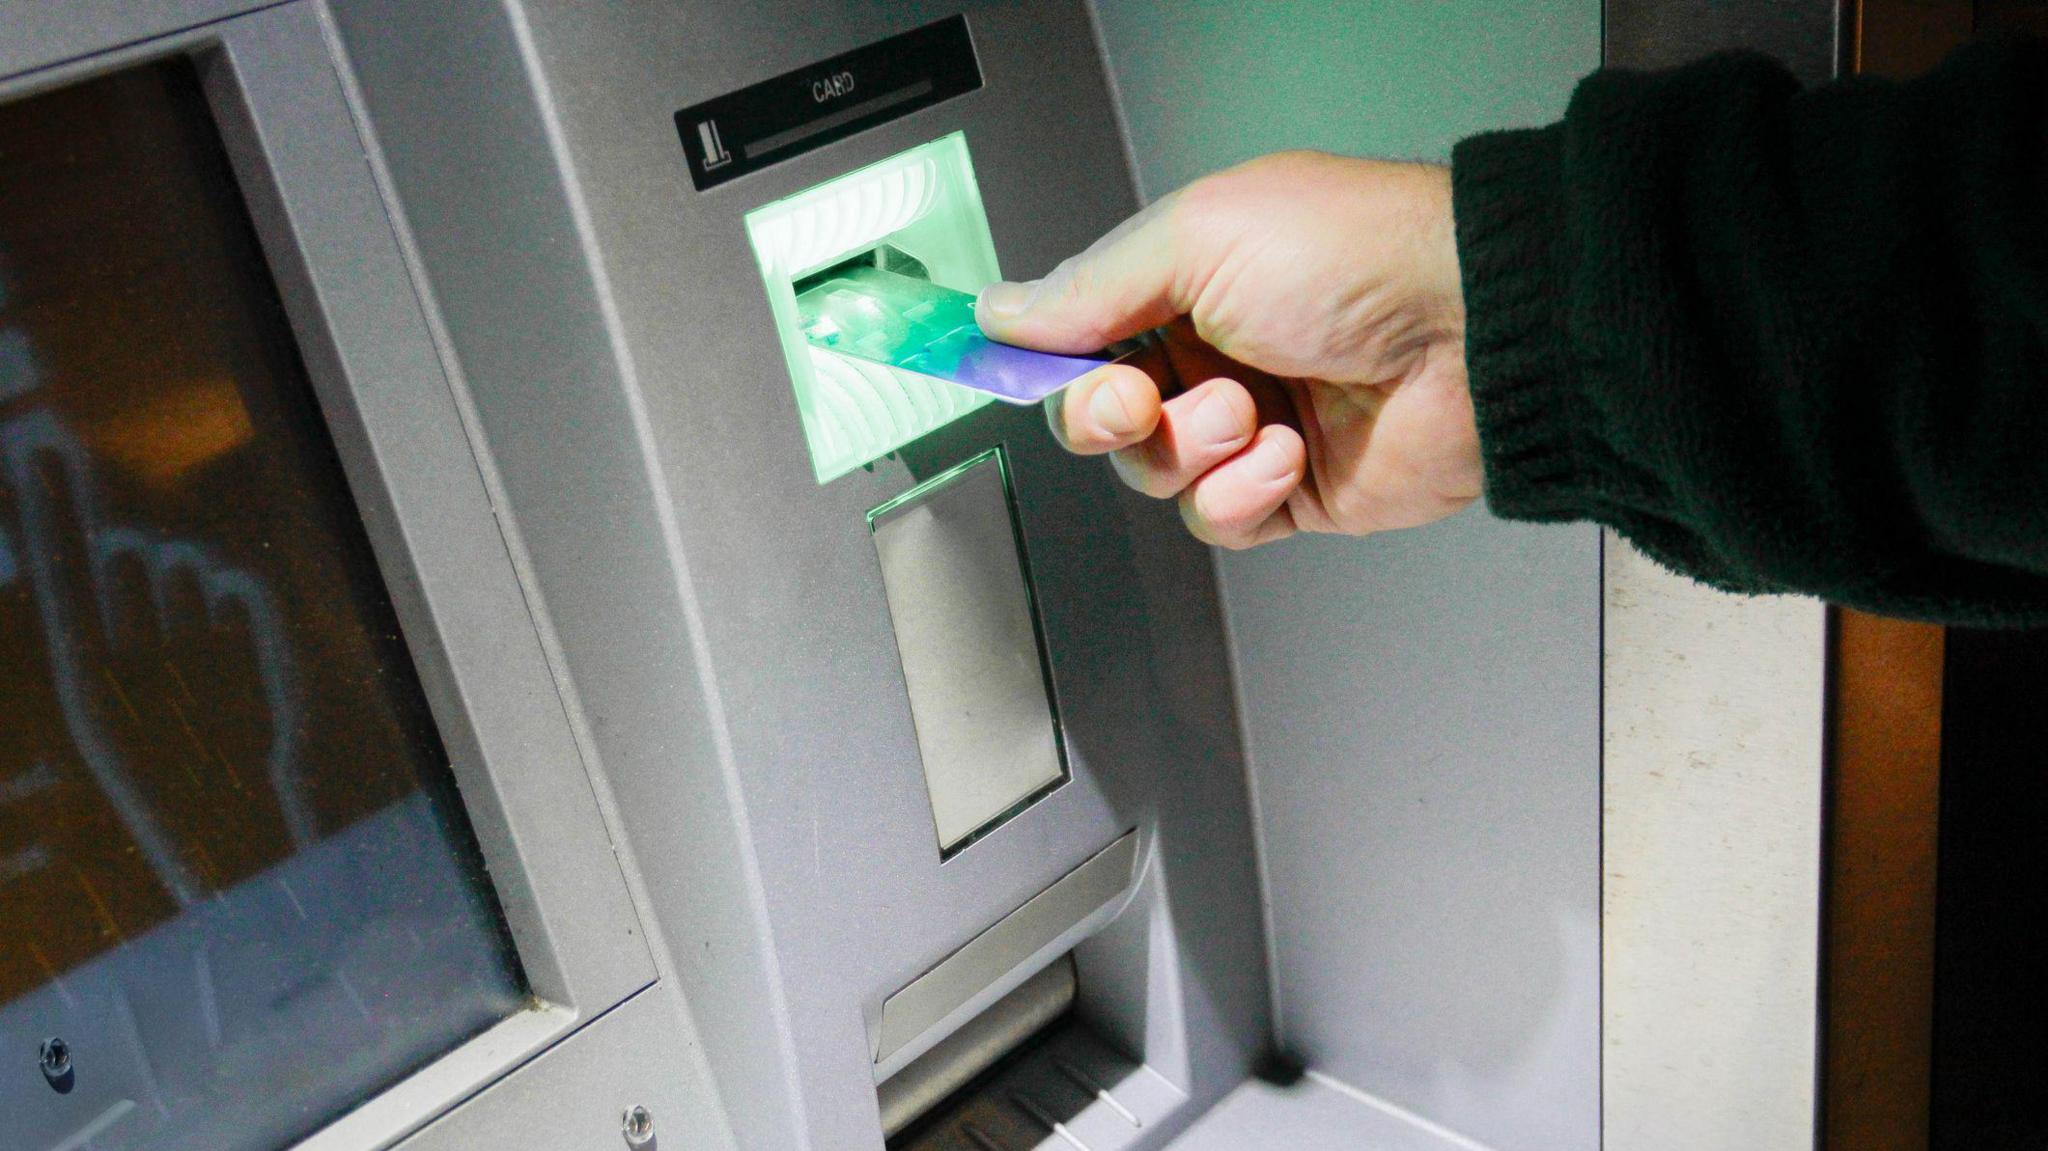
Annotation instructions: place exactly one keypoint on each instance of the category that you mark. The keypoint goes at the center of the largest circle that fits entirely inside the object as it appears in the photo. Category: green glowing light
(918, 211)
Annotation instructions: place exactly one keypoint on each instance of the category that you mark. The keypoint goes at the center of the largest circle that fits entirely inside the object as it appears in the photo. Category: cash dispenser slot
(1063, 1087)
(980, 1045)
(992, 964)
(998, 1011)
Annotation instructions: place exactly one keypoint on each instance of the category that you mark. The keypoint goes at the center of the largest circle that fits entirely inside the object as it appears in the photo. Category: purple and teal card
(921, 327)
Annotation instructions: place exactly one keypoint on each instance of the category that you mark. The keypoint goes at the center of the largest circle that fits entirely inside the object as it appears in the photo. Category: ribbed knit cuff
(1507, 193)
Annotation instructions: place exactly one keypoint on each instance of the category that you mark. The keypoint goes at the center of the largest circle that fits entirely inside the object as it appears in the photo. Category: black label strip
(747, 130)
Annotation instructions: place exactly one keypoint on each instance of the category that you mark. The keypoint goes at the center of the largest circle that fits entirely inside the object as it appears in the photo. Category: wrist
(1438, 256)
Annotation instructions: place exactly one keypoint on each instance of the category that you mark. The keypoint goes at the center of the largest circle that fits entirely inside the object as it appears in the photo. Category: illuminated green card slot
(918, 213)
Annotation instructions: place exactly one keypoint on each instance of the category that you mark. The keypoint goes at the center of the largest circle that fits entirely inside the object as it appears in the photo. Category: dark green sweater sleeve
(1782, 340)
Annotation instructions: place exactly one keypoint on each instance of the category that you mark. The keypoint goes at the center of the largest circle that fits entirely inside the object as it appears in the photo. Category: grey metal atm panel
(275, 93)
(721, 615)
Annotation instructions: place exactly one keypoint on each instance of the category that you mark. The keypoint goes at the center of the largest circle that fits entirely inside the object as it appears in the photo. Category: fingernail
(1109, 411)
(1214, 421)
(1275, 462)
(1004, 300)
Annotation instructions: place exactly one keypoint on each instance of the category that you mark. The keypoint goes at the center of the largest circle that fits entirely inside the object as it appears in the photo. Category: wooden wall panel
(1883, 829)
(1884, 779)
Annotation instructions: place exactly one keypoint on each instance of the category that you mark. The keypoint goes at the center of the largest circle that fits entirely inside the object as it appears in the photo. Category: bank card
(918, 326)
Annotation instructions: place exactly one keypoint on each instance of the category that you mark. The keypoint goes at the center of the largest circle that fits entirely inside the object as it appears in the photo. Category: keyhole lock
(55, 1060)
(638, 1125)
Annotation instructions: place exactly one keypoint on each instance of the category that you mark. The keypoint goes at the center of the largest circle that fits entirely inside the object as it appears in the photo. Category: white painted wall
(1712, 860)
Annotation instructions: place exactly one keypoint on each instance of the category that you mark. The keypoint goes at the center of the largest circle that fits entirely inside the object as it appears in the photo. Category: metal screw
(638, 1125)
(55, 1060)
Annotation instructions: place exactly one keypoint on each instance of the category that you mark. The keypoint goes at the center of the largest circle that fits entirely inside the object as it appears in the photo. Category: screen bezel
(399, 419)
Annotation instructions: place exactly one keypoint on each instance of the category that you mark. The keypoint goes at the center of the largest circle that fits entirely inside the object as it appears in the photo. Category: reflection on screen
(237, 895)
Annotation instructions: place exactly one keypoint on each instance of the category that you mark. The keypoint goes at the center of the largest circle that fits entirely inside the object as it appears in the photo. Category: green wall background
(1207, 83)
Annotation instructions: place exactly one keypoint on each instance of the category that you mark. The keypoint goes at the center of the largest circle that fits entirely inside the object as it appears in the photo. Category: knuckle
(1197, 210)
(1058, 285)
(1258, 176)
(1288, 164)
(1079, 279)
(1070, 298)
(1081, 300)
(1352, 512)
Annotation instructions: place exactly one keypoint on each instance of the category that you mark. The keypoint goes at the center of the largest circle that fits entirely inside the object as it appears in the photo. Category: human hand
(1313, 330)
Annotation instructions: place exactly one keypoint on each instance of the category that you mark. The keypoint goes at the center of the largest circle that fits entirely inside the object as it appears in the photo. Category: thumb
(1130, 281)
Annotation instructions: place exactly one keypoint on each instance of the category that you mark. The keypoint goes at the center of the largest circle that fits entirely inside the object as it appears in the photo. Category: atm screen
(237, 891)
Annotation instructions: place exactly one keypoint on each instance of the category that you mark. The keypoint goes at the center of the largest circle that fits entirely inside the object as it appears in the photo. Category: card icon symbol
(714, 149)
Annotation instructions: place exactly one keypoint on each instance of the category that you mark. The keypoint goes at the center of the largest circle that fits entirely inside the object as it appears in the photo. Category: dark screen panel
(235, 878)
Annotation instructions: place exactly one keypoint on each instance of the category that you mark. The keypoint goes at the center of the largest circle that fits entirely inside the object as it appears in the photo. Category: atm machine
(484, 681)
(479, 678)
